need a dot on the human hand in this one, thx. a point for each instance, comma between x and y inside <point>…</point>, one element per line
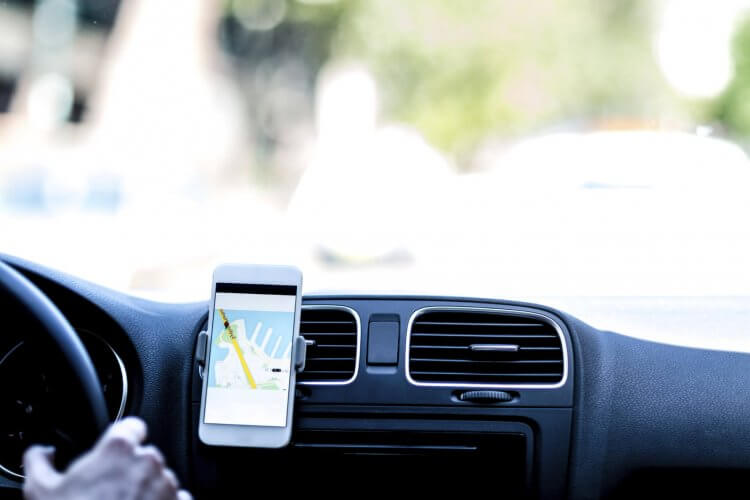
<point>118,467</point>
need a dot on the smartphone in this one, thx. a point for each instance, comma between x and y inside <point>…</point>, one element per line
<point>248,382</point>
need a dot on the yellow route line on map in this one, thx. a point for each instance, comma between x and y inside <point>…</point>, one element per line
<point>236,345</point>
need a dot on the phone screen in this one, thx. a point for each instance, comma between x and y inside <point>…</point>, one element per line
<point>249,360</point>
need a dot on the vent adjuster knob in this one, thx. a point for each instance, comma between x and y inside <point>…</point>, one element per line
<point>485,396</point>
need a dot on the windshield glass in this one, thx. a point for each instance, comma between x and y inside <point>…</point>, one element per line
<point>510,149</point>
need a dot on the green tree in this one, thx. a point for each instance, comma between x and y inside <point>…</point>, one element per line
<point>460,71</point>
<point>732,108</point>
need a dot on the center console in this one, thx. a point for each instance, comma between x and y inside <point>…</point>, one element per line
<point>414,395</point>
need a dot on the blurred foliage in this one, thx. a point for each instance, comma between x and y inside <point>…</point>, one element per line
<point>303,30</point>
<point>277,48</point>
<point>462,71</point>
<point>732,108</point>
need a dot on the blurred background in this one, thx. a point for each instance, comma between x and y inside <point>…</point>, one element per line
<point>496,148</point>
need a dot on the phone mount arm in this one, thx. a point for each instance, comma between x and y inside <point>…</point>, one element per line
<point>202,346</point>
<point>300,354</point>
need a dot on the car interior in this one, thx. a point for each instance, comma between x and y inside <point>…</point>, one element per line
<point>522,229</point>
<point>392,396</point>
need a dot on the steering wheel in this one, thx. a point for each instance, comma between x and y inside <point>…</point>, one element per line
<point>64,337</point>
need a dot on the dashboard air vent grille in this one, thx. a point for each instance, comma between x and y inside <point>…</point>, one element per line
<point>332,334</point>
<point>466,347</point>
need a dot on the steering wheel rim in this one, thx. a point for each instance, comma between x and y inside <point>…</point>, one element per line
<point>64,338</point>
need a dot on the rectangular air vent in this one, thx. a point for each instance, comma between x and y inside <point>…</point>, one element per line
<point>332,334</point>
<point>485,348</point>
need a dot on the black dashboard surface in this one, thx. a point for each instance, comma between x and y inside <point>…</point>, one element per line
<point>630,410</point>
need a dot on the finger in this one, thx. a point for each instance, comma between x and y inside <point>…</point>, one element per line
<point>171,478</point>
<point>38,467</point>
<point>184,495</point>
<point>130,430</point>
<point>152,454</point>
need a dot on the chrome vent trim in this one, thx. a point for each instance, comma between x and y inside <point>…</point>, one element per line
<point>510,312</point>
<point>357,349</point>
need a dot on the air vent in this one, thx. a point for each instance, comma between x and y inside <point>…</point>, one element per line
<point>483,347</point>
<point>332,334</point>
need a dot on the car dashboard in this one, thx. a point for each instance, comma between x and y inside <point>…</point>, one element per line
<point>409,394</point>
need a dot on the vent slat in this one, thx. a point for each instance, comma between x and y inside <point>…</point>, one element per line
<point>440,340</point>
<point>332,357</point>
<point>326,334</point>
<point>473,374</point>
<point>484,335</point>
<point>324,322</point>
<point>466,323</point>
<point>330,372</point>
<point>464,348</point>
<point>343,358</point>
<point>489,362</point>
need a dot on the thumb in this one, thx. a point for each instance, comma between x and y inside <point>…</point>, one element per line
<point>131,430</point>
<point>38,467</point>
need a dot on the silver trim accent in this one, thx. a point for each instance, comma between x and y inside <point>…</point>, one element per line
<point>2,467</point>
<point>11,473</point>
<point>123,399</point>
<point>359,343</point>
<point>123,371</point>
<point>494,347</point>
<point>513,312</point>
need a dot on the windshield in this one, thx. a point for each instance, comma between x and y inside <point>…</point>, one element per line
<point>510,149</point>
